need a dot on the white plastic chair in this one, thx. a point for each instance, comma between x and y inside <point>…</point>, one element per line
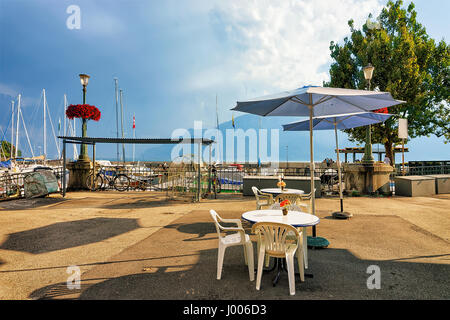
<point>262,199</point>
<point>302,207</point>
<point>305,200</point>
<point>274,243</point>
<point>235,239</point>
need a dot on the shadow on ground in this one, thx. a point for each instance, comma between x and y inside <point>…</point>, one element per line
<point>179,262</point>
<point>21,204</point>
<point>65,235</point>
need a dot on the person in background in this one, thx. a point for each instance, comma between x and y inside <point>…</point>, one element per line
<point>387,160</point>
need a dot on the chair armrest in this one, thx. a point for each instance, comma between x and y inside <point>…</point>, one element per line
<point>231,229</point>
<point>269,195</point>
<point>237,221</point>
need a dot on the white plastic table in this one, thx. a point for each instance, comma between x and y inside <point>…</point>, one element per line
<point>277,191</point>
<point>296,219</point>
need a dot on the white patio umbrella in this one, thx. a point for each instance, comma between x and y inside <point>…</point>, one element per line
<point>313,101</point>
<point>344,121</point>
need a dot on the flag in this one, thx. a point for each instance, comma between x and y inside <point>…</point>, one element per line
<point>232,121</point>
<point>134,123</point>
<point>59,125</point>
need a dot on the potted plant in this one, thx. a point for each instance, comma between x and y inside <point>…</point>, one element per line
<point>285,206</point>
<point>281,184</point>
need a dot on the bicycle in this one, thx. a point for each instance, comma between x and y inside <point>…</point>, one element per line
<point>215,181</point>
<point>107,178</point>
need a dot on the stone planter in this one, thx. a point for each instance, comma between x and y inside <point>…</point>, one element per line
<point>78,173</point>
<point>367,178</point>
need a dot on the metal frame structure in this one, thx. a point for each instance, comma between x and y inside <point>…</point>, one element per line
<point>92,141</point>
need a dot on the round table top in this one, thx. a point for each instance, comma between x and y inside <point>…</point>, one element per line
<point>294,218</point>
<point>279,191</point>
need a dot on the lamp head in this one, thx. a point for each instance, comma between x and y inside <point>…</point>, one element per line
<point>368,71</point>
<point>84,79</point>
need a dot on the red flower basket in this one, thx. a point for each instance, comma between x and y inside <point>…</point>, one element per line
<point>83,111</point>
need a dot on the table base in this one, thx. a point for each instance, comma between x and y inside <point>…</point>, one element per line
<point>280,265</point>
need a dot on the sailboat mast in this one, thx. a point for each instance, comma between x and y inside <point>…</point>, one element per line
<point>117,115</point>
<point>64,114</point>
<point>12,129</point>
<point>17,127</point>
<point>45,127</point>
<point>134,133</point>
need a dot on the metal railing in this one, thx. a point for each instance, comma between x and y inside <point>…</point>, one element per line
<point>12,184</point>
<point>423,170</point>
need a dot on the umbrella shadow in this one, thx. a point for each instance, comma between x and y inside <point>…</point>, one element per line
<point>65,235</point>
<point>201,229</point>
<point>142,203</point>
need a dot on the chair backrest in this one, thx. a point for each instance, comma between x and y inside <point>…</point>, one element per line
<point>215,215</point>
<point>292,197</point>
<point>257,193</point>
<point>273,236</point>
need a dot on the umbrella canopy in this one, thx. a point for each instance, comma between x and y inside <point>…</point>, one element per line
<point>324,101</point>
<point>316,101</point>
<point>344,121</point>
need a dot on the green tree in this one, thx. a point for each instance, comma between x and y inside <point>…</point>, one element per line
<point>5,152</point>
<point>408,64</point>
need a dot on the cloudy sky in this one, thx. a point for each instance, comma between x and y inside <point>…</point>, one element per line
<point>171,58</point>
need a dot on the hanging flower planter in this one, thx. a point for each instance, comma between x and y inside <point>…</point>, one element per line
<point>83,111</point>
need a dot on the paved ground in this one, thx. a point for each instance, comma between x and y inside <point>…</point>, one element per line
<point>138,246</point>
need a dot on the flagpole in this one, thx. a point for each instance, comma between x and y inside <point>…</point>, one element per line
<point>121,121</point>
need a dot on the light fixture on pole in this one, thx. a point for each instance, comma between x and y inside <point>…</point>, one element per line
<point>84,79</point>
<point>368,157</point>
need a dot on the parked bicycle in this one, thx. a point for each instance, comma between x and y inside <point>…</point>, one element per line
<point>216,186</point>
<point>108,179</point>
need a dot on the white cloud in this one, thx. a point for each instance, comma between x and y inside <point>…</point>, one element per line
<point>283,44</point>
<point>8,91</point>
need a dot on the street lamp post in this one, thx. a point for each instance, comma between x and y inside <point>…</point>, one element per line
<point>368,157</point>
<point>84,79</point>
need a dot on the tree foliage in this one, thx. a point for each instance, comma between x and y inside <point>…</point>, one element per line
<point>5,151</point>
<point>408,64</point>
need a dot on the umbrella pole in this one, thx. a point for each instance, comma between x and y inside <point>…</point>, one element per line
<point>340,214</point>
<point>311,152</point>
<point>314,241</point>
<point>338,167</point>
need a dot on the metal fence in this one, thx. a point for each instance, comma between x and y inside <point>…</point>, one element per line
<point>423,168</point>
<point>12,184</point>
<point>221,179</point>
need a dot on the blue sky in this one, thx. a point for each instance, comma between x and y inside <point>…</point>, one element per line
<point>173,57</point>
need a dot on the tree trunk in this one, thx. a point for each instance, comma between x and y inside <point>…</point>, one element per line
<point>389,152</point>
